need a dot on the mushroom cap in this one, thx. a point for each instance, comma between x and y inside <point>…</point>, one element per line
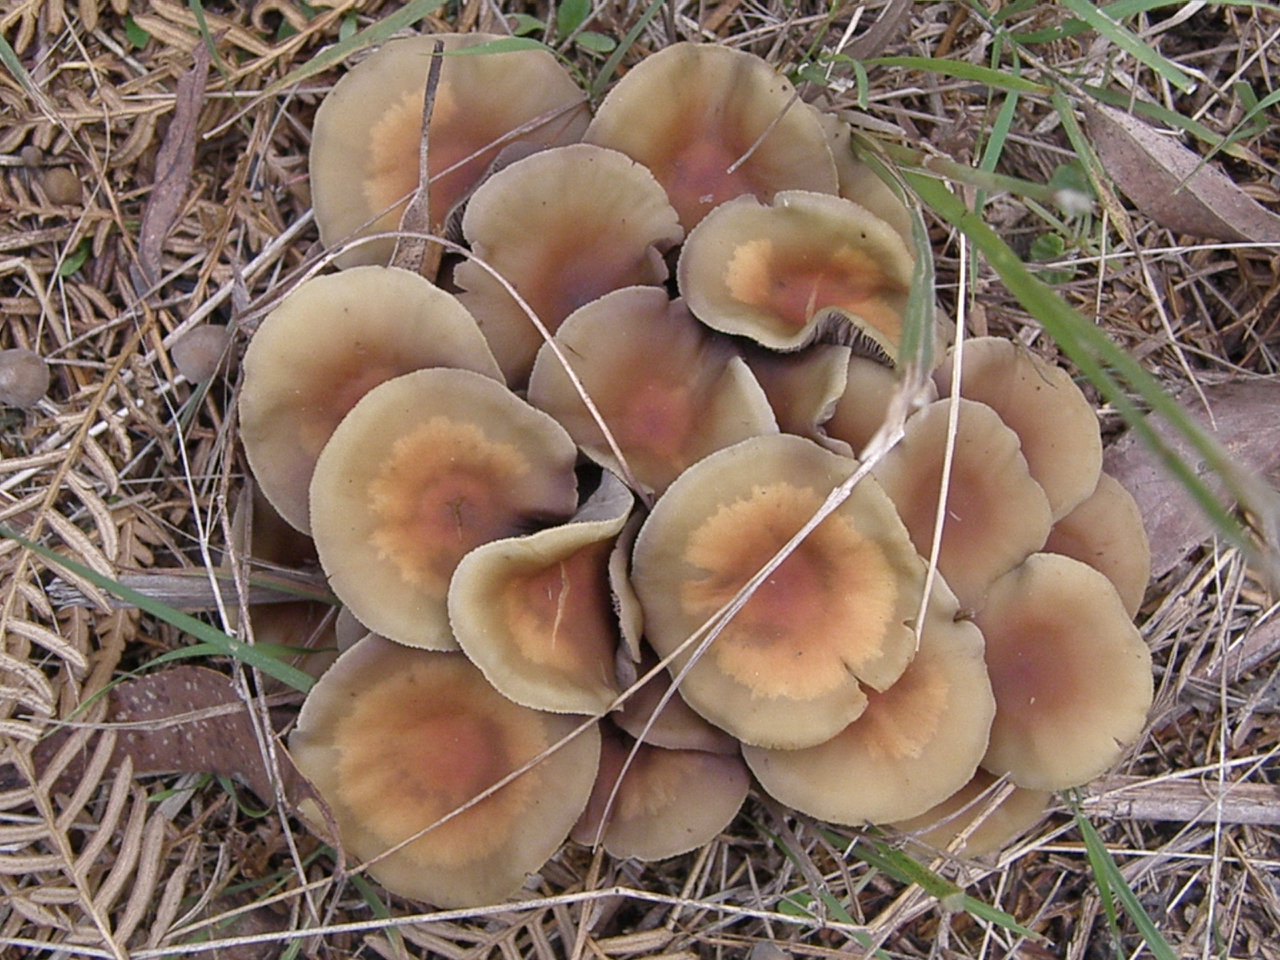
<point>858,182</point>
<point>915,744</point>
<point>1106,532</point>
<point>861,410</point>
<point>692,111</point>
<point>779,273</point>
<point>367,132</point>
<point>996,515</point>
<point>1071,674</point>
<point>425,468</point>
<point>670,801</point>
<point>939,826</point>
<point>24,377</point>
<point>395,738</point>
<point>324,347</point>
<point>1040,402</point>
<point>787,671</point>
<point>676,726</point>
<point>669,391</point>
<point>201,351</point>
<point>534,613</point>
<point>625,602</point>
<point>564,227</point>
<point>802,387</point>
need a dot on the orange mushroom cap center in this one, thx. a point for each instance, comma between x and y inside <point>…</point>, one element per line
<point>820,614</point>
<point>438,496</point>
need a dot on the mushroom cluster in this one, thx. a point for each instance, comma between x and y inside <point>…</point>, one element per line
<point>524,524</point>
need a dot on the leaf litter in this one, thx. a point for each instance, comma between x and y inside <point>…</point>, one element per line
<point>94,109</point>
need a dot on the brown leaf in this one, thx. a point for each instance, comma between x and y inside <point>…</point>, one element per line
<point>189,720</point>
<point>1161,177</point>
<point>174,164</point>
<point>1246,423</point>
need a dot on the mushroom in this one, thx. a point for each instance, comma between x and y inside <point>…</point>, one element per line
<point>201,351</point>
<point>1056,425</point>
<point>425,468</point>
<point>1071,674</point>
<point>803,387</point>
<point>714,123</point>
<point>564,227</point>
<point>396,739</point>
<point>996,515</point>
<point>861,410</point>
<point>676,726</point>
<point>1106,532</point>
<point>917,743</point>
<point>783,274</point>
<point>24,377</point>
<point>669,390</point>
<point>367,133</point>
<point>968,812</point>
<point>327,343</point>
<point>788,669</point>
<point>669,801</point>
<point>858,182</point>
<point>534,613</point>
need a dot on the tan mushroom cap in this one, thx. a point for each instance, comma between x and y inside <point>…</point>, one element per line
<point>395,739</point>
<point>669,390</point>
<point>564,227</point>
<point>625,602</point>
<point>367,132</point>
<point>676,727</point>
<point>670,801</point>
<point>1043,406</point>
<point>424,469</point>
<point>917,743</point>
<point>861,410</point>
<point>323,348</point>
<point>939,826</point>
<point>1071,674</point>
<point>858,182</point>
<point>535,613</point>
<point>802,387</point>
<point>24,377</point>
<point>778,274</point>
<point>996,515</point>
<point>787,671</point>
<point>692,112</point>
<point>1106,532</point>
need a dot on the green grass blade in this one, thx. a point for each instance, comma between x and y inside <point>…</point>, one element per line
<point>1111,882</point>
<point>960,70</point>
<point>1112,371</point>
<point>1128,41</point>
<point>215,638</point>
<point>406,16</point>
<point>903,868</point>
<point>202,24</point>
<point>605,75</point>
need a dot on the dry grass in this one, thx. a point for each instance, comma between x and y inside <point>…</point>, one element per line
<point>124,467</point>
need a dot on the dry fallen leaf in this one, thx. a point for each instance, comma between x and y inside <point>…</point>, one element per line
<point>174,164</point>
<point>1245,422</point>
<point>190,720</point>
<point>1160,176</point>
